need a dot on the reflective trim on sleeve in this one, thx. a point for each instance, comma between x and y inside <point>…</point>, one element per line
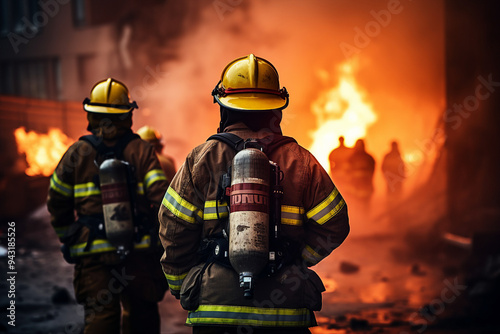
<point>152,176</point>
<point>64,189</point>
<point>328,208</point>
<point>310,255</point>
<point>175,281</point>
<point>251,316</point>
<point>103,245</point>
<point>140,188</point>
<point>181,208</point>
<point>292,215</point>
<point>211,208</point>
<point>86,189</point>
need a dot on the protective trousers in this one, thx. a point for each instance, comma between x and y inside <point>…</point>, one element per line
<point>120,294</point>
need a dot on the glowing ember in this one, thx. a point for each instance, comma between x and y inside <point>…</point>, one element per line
<point>414,157</point>
<point>340,111</point>
<point>43,151</point>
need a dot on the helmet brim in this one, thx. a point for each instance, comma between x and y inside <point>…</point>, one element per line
<point>105,110</point>
<point>252,102</point>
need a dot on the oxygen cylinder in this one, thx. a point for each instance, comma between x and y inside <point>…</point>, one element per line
<point>116,205</point>
<point>249,216</point>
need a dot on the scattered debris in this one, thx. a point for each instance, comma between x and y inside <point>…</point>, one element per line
<point>348,267</point>
<point>359,324</point>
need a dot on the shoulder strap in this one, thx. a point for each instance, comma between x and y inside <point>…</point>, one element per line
<point>116,150</point>
<point>268,144</point>
<point>230,139</point>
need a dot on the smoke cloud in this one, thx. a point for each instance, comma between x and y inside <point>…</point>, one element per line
<point>399,45</point>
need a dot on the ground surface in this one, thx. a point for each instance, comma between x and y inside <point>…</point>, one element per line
<point>375,284</point>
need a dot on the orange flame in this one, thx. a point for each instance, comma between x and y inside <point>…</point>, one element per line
<point>340,111</point>
<point>43,151</point>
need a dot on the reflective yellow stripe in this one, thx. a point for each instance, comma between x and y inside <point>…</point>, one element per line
<point>253,316</point>
<point>140,188</point>
<point>310,255</point>
<point>175,281</point>
<point>152,176</point>
<point>328,208</point>
<point>63,188</point>
<point>86,189</point>
<point>292,215</point>
<point>181,208</point>
<point>98,246</point>
<point>211,209</point>
<point>102,245</point>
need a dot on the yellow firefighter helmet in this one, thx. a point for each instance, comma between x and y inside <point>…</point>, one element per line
<point>250,83</point>
<point>149,134</point>
<point>109,96</point>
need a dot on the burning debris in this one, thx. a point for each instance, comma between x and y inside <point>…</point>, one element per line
<point>42,151</point>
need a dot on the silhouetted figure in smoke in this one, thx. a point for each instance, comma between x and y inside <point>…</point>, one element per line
<point>394,170</point>
<point>361,169</point>
<point>154,137</point>
<point>339,165</point>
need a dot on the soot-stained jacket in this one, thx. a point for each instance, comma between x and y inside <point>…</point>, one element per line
<point>313,216</point>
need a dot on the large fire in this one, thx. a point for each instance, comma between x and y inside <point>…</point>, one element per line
<point>43,151</point>
<point>340,111</point>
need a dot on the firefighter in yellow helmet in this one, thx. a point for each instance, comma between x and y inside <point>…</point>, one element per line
<point>114,183</point>
<point>301,216</point>
<point>153,137</point>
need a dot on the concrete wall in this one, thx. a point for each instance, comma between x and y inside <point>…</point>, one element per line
<point>472,118</point>
<point>59,38</point>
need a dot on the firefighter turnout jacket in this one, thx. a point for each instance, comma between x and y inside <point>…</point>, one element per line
<point>314,222</point>
<point>74,187</point>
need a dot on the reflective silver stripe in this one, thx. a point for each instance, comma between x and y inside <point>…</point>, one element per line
<point>140,188</point>
<point>86,189</point>
<point>182,208</point>
<point>152,176</point>
<point>252,316</point>
<point>102,245</point>
<point>175,281</point>
<point>63,188</point>
<point>211,209</point>
<point>292,215</point>
<point>328,208</point>
<point>98,246</point>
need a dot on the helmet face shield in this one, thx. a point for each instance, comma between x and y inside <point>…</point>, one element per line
<point>252,101</point>
<point>250,84</point>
